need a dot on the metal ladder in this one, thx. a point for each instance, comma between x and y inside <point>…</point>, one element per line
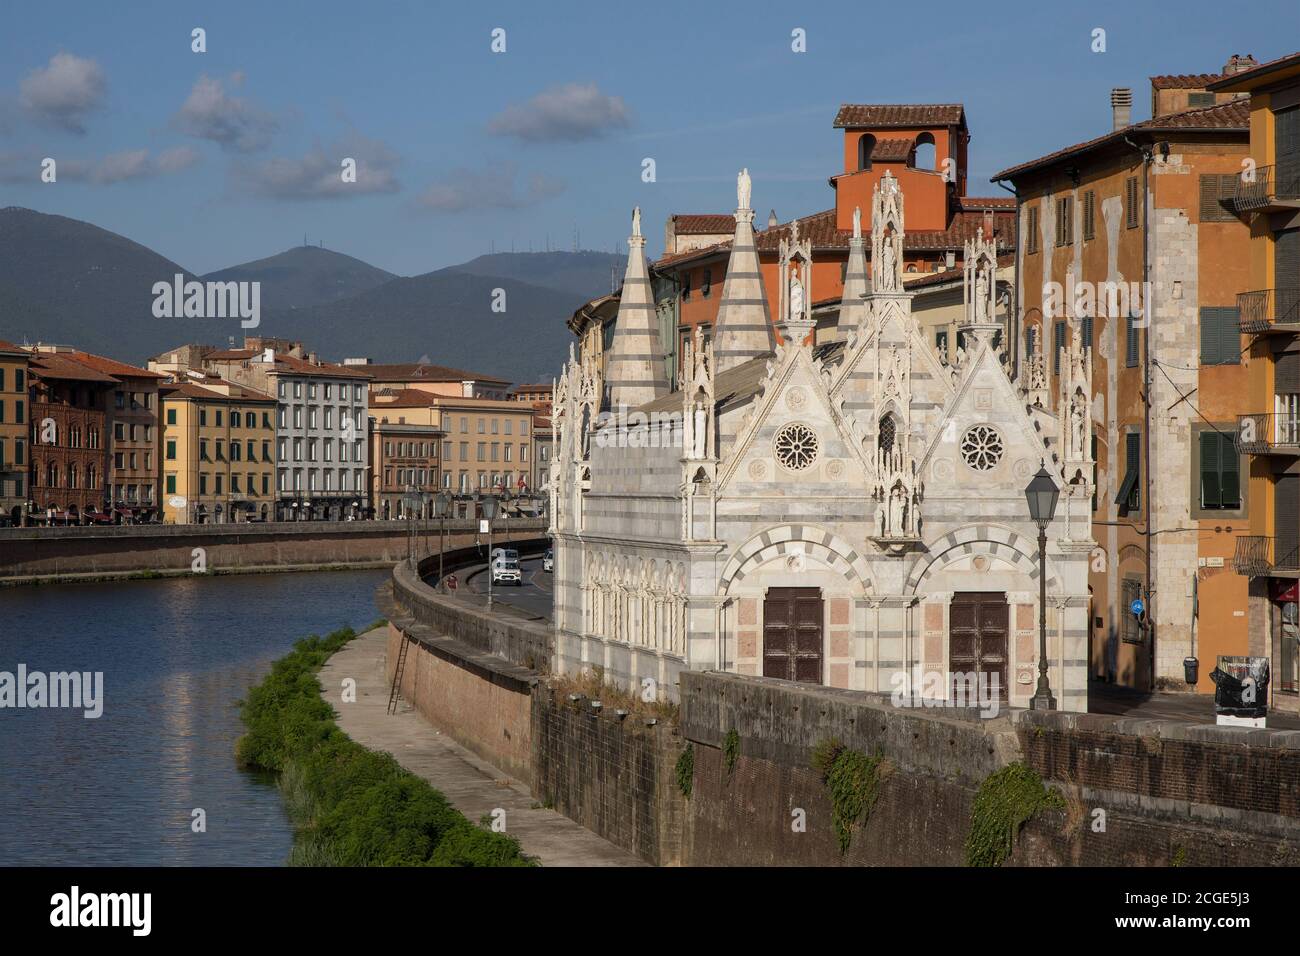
<point>395,694</point>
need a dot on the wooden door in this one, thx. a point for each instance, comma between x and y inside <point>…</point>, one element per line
<point>792,634</point>
<point>977,636</point>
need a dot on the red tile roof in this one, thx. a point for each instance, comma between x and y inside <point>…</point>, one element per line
<point>1184,81</point>
<point>102,363</point>
<point>892,150</point>
<point>820,228</point>
<point>1230,81</point>
<point>238,393</point>
<point>880,115</point>
<point>50,365</point>
<point>10,347</point>
<point>703,224</point>
<point>424,372</point>
<point>1230,117</point>
<point>971,203</point>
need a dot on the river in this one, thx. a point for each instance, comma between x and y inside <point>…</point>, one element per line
<point>176,655</point>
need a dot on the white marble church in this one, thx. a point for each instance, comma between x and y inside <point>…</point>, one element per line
<point>852,515</point>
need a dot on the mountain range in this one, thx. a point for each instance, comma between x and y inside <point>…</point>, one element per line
<point>67,281</point>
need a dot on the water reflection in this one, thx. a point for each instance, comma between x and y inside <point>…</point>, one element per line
<point>177,655</point>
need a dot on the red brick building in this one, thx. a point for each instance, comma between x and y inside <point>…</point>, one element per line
<point>68,439</point>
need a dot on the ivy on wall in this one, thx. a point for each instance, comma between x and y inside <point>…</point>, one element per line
<point>1006,800</point>
<point>853,781</point>
<point>686,771</point>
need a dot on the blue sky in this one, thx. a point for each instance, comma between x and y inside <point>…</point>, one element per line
<point>220,157</point>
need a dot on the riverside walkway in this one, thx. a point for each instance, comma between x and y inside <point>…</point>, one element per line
<point>473,786</point>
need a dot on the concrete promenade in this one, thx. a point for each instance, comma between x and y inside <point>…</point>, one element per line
<point>473,786</point>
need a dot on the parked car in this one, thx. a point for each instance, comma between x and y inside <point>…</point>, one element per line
<point>548,561</point>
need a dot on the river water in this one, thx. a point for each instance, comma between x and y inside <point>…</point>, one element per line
<point>176,656</point>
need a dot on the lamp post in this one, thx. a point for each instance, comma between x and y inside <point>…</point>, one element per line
<point>441,505</point>
<point>490,505</point>
<point>411,502</point>
<point>1042,495</point>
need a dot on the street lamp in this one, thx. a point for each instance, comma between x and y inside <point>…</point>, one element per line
<point>411,502</point>
<point>490,505</point>
<point>441,505</point>
<point>1042,495</point>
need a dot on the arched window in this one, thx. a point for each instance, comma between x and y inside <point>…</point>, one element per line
<point>887,433</point>
<point>924,153</point>
<point>51,475</point>
<point>866,146</point>
<point>90,476</point>
<point>72,476</point>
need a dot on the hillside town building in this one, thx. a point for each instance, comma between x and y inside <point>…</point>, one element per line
<point>851,513</point>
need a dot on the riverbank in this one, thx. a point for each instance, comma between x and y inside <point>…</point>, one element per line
<point>472,785</point>
<point>351,806</point>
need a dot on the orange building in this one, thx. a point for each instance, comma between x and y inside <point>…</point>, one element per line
<point>1269,305</point>
<point>1128,239</point>
<point>923,146</point>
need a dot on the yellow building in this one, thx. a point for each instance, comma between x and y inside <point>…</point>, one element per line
<point>13,432</point>
<point>218,452</point>
<point>487,444</point>
<point>1268,191</point>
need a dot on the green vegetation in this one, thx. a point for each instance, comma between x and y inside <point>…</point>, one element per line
<point>731,748</point>
<point>1006,799</point>
<point>351,806</point>
<point>686,771</point>
<point>853,780</point>
<point>1180,856</point>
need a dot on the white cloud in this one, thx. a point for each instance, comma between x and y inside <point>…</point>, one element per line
<point>319,174</point>
<point>234,123</point>
<point>65,91</point>
<point>492,187</point>
<point>24,168</point>
<point>571,112</point>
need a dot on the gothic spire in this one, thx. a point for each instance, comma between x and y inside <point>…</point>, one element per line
<point>853,306</point>
<point>634,370</point>
<point>744,329</point>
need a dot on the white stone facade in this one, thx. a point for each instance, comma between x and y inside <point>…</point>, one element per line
<point>885,486</point>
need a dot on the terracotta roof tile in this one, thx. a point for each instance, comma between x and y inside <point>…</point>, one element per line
<point>50,365</point>
<point>102,363</point>
<point>703,224</point>
<point>1184,81</point>
<point>1234,116</point>
<point>892,150</point>
<point>1230,80</point>
<point>882,115</point>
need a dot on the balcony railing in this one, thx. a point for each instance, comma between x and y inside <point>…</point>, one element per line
<point>1268,434</point>
<point>1269,310</point>
<point>1272,187</point>
<point>1255,557</point>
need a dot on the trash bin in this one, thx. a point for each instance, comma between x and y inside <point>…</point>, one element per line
<point>1191,669</point>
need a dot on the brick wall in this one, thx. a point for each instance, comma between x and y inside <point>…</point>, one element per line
<point>617,777</point>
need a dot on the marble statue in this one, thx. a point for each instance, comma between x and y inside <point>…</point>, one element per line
<point>743,187</point>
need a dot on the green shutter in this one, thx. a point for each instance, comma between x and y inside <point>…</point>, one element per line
<point>1231,470</point>
<point>1211,487</point>
<point>1131,342</point>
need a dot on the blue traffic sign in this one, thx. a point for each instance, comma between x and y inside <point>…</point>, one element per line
<point>1137,607</point>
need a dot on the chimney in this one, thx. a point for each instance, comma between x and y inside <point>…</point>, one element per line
<point>988,224</point>
<point>1121,107</point>
<point>268,355</point>
<point>1239,64</point>
<point>311,357</point>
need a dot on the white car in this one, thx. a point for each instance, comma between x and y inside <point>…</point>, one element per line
<point>548,562</point>
<point>505,570</point>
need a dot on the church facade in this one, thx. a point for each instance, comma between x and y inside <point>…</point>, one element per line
<point>850,514</point>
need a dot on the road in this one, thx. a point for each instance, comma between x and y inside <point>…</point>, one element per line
<point>533,596</point>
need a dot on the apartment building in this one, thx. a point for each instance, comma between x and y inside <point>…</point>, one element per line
<point>1267,193</point>
<point>67,440</point>
<point>486,444</point>
<point>13,432</point>
<point>1128,240</point>
<point>434,379</point>
<point>322,416</point>
<point>218,451</point>
<point>405,459</point>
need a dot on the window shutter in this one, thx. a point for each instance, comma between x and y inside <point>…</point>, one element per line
<point>1089,214</point>
<point>1286,374</point>
<point>1058,335</point>
<point>1231,470</point>
<point>1087,331</point>
<point>1286,520</point>
<point>1131,334</point>
<point>1217,191</point>
<point>1211,488</point>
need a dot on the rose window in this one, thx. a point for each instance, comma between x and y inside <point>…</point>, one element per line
<point>796,446</point>
<point>981,447</point>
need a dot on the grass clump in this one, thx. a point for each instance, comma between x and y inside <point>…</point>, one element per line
<point>351,806</point>
<point>686,771</point>
<point>853,782</point>
<point>1006,799</point>
<point>731,748</point>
